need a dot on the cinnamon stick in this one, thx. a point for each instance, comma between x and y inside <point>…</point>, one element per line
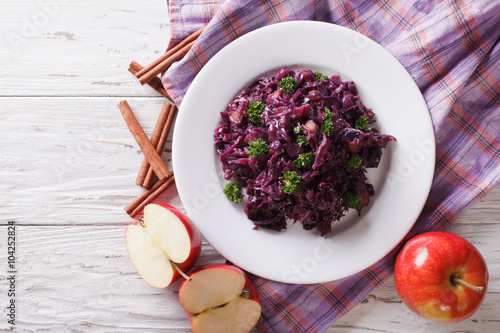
<point>155,83</point>
<point>142,140</point>
<point>155,138</point>
<point>148,180</point>
<point>148,196</point>
<point>170,53</point>
<point>165,64</point>
<point>143,196</point>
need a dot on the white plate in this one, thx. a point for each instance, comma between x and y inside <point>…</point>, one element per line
<point>402,180</point>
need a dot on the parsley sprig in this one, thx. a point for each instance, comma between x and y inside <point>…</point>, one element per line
<point>327,126</point>
<point>288,84</point>
<point>258,148</point>
<point>303,160</point>
<point>255,110</point>
<point>352,200</point>
<point>320,76</point>
<point>352,163</point>
<point>302,140</point>
<point>232,191</point>
<point>292,182</point>
<point>362,124</point>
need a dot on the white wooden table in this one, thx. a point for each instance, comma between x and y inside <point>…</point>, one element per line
<point>69,165</point>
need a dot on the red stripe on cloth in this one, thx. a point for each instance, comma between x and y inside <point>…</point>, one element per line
<point>434,69</point>
<point>375,275</point>
<point>422,47</point>
<point>209,9</point>
<point>173,22</point>
<point>459,177</point>
<point>313,4</point>
<point>229,23</point>
<point>466,24</point>
<point>398,14</point>
<point>350,17</point>
<point>171,91</point>
<point>282,308</point>
<point>274,10</point>
<point>196,58</point>
<point>478,134</point>
<point>439,214</point>
<point>335,298</point>
<point>487,83</point>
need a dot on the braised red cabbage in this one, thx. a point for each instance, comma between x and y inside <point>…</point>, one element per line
<point>312,128</point>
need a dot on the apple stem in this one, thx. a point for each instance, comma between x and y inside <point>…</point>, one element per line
<point>456,279</point>
<point>141,222</point>
<point>184,275</point>
<point>245,293</point>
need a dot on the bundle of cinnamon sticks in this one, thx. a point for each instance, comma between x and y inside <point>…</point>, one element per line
<point>153,147</point>
<point>149,74</point>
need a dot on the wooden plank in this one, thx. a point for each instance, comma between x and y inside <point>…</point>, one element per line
<point>485,211</point>
<point>79,278</point>
<point>72,160</point>
<point>62,48</point>
<point>383,311</point>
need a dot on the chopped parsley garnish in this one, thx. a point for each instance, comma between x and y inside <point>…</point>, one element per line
<point>320,76</point>
<point>352,163</point>
<point>352,200</point>
<point>327,126</point>
<point>302,140</point>
<point>297,129</point>
<point>362,124</point>
<point>288,84</point>
<point>292,182</point>
<point>255,109</point>
<point>303,160</point>
<point>258,148</point>
<point>232,191</point>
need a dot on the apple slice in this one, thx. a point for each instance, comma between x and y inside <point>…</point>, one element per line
<point>220,298</point>
<point>162,245</point>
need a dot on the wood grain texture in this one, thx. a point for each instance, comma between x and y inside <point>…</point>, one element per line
<point>79,278</point>
<point>77,159</point>
<point>76,48</point>
<point>69,166</point>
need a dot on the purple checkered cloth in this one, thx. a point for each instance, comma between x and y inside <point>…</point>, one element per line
<point>451,50</point>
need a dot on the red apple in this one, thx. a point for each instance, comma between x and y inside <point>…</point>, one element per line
<point>441,276</point>
<point>163,245</point>
<point>220,298</point>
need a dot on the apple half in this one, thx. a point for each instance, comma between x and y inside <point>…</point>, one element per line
<point>220,298</point>
<point>163,245</point>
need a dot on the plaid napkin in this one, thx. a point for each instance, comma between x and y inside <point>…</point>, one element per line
<point>451,50</point>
